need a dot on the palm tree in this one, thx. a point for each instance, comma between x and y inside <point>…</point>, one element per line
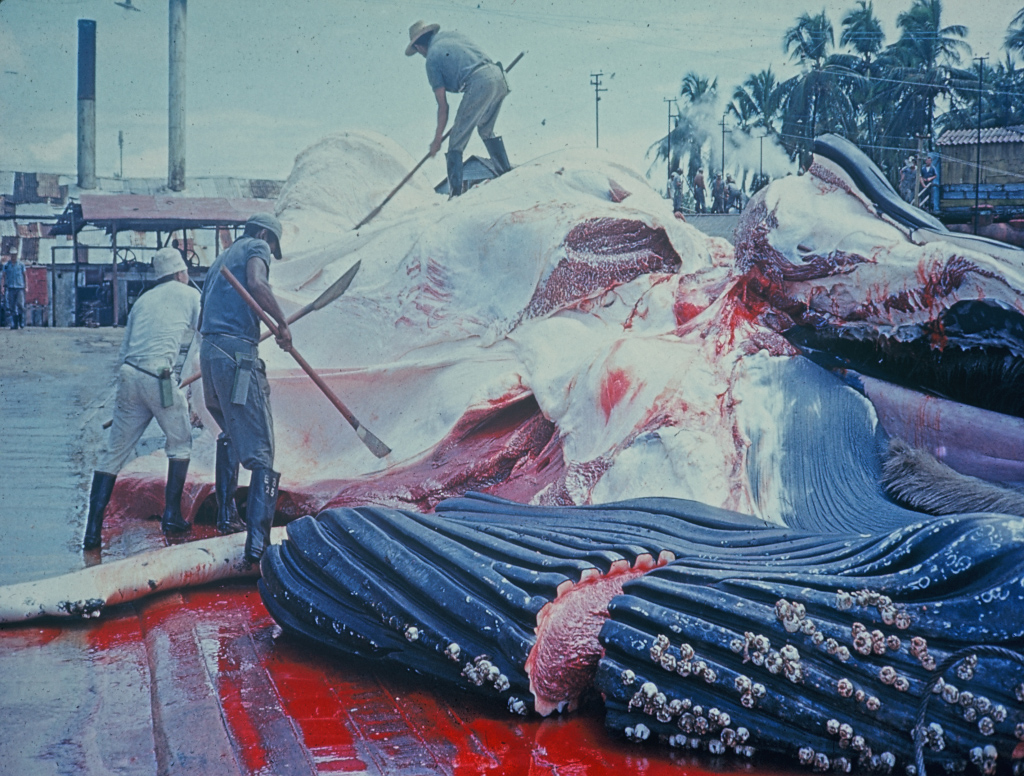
<point>817,100</point>
<point>758,102</point>
<point>1015,34</point>
<point>696,88</point>
<point>863,33</point>
<point>693,125</point>
<point>923,61</point>
<point>1002,98</point>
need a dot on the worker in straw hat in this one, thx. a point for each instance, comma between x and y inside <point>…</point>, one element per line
<point>161,324</point>
<point>235,385</point>
<point>455,64</point>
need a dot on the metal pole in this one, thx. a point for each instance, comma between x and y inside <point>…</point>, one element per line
<point>760,172</point>
<point>120,147</point>
<point>595,81</point>
<point>74,244</point>
<point>977,161</point>
<point>668,147</point>
<point>113,282</point>
<point>723,150</point>
<point>86,104</point>
<point>176,96</point>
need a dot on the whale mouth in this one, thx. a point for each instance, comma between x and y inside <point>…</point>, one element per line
<point>973,354</point>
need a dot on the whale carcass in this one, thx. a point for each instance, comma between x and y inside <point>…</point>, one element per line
<point>558,338</point>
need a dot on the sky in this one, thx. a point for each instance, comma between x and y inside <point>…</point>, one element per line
<point>267,78</point>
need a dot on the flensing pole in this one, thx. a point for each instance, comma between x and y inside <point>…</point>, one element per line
<point>977,161</point>
<point>595,81</point>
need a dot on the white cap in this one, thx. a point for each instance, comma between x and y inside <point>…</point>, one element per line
<point>168,261</point>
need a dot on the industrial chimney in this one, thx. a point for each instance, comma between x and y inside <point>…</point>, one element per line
<point>86,104</point>
<point>176,96</point>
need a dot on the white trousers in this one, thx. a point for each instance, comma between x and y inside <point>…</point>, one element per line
<point>137,403</point>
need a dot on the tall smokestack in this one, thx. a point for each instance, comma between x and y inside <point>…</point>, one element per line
<point>176,97</point>
<point>86,104</point>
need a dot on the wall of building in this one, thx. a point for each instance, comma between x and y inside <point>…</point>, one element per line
<point>1000,163</point>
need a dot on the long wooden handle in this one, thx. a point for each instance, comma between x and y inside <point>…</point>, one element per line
<point>336,289</point>
<point>376,210</point>
<point>375,446</point>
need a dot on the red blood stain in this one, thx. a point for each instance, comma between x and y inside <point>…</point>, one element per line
<point>614,388</point>
<point>112,632</point>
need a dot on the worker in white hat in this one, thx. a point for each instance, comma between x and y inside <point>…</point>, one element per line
<point>160,326</point>
<point>455,64</point>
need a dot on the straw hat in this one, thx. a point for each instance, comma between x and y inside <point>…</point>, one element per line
<point>417,31</point>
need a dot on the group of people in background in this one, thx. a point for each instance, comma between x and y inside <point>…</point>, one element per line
<point>923,185</point>
<point>725,195</point>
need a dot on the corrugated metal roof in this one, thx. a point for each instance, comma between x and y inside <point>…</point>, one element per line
<point>990,135</point>
<point>49,185</point>
<point>135,212</point>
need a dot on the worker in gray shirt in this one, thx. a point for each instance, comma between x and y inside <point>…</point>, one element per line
<point>455,64</point>
<point>161,323</point>
<point>235,383</point>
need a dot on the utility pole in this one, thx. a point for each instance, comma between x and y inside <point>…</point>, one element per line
<point>760,171</point>
<point>977,160</point>
<point>917,172</point>
<point>723,149</point>
<point>595,81</point>
<point>668,145</point>
<point>120,147</point>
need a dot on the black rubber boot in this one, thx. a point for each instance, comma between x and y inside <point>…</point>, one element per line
<point>172,521</point>
<point>454,160</point>
<point>226,483</point>
<point>259,512</point>
<point>99,497</point>
<point>496,148</point>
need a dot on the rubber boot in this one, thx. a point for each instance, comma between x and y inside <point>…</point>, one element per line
<point>259,512</point>
<point>228,519</point>
<point>172,521</point>
<point>99,497</point>
<point>496,148</point>
<point>454,160</point>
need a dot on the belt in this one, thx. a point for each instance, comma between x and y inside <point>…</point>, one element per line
<point>144,371</point>
<point>465,81</point>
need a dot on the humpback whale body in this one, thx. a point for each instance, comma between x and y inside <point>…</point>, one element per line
<point>700,628</point>
<point>836,629</point>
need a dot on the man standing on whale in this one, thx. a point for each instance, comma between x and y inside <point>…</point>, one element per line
<point>455,64</point>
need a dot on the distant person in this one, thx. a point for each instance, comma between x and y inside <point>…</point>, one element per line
<point>14,286</point>
<point>180,248</point>
<point>930,185</point>
<point>676,185</point>
<point>163,318</point>
<point>718,195</point>
<point>235,379</point>
<point>908,176</point>
<point>699,190</point>
<point>733,197</point>
<point>454,64</point>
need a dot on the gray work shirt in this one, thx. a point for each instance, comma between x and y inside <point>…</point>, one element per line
<point>14,274</point>
<point>224,310</point>
<point>451,57</point>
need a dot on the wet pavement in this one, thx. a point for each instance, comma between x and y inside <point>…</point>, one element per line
<point>197,681</point>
